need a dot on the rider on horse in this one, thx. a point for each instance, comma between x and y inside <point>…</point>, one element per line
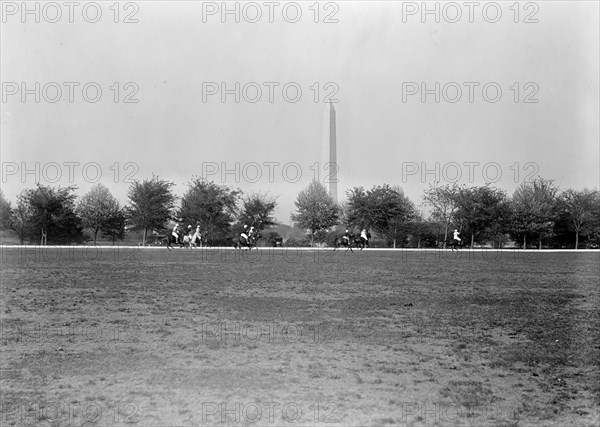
<point>346,237</point>
<point>175,232</point>
<point>197,237</point>
<point>363,234</point>
<point>244,235</point>
<point>456,238</point>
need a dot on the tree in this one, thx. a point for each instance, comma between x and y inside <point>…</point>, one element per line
<point>533,208</point>
<point>6,213</point>
<point>209,205</point>
<point>96,208</point>
<point>482,212</point>
<point>578,207</point>
<point>444,202</point>
<point>315,209</point>
<point>384,209</point>
<point>114,226</point>
<point>421,230</point>
<point>593,231</point>
<point>257,210</point>
<point>390,212</point>
<point>20,221</point>
<point>358,212</point>
<point>47,211</point>
<point>151,204</point>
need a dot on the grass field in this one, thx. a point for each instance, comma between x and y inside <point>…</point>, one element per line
<point>191,337</point>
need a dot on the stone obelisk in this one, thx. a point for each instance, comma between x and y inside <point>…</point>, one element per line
<point>329,165</point>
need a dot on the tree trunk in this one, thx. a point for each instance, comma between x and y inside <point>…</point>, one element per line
<point>446,234</point>
<point>472,239</point>
<point>394,243</point>
<point>419,243</point>
<point>540,243</point>
<point>525,241</point>
<point>576,240</point>
<point>145,234</point>
<point>95,235</point>
<point>312,238</point>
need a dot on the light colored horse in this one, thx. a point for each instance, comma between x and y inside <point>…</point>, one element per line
<point>192,241</point>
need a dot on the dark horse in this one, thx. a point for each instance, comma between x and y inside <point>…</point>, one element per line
<point>340,241</point>
<point>361,242</point>
<point>453,244</point>
<point>242,243</point>
<point>171,241</point>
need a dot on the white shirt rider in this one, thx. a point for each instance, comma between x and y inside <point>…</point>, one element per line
<point>243,234</point>
<point>363,234</point>
<point>456,233</point>
<point>175,232</point>
<point>197,235</point>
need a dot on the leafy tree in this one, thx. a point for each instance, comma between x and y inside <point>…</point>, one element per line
<point>482,212</point>
<point>20,221</point>
<point>257,210</point>
<point>315,209</point>
<point>211,206</point>
<point>151,203</point>
<point>114,226</point>
<point>421,230</point>
<point>593,231</point>
<point>390,212</point>
<point>578,207</point>
<point>343,212</point>
<point>50,212</point>
<point>358,212</point>
<point>96,208</point>
<point>6,213</point>
<point>533,209</point>
<point>384,209</point>
<point>444,202</point>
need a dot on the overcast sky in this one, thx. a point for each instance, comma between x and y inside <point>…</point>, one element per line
<point>373,62</point>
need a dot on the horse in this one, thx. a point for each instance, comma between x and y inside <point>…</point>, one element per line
<point>455,245</point>
<point>341,241</point>
<point>170,240</point>
<point>361,242</point>
<point>192,242</point>
<point>251,243</point>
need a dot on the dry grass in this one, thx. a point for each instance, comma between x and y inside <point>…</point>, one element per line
<point>370,338</point>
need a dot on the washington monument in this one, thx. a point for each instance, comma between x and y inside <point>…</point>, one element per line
<point>329,166</point>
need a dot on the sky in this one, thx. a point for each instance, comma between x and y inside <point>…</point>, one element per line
<point>498,93</point>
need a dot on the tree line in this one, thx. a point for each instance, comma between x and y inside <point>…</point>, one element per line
<point>538,214</point>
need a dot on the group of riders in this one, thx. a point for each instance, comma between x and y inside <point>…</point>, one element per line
<point>249,236</point>
<point>348,240</point>
<point>194,238</point>
<point>191,237</point>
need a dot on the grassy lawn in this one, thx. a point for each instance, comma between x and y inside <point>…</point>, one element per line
<point>191,337</point>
